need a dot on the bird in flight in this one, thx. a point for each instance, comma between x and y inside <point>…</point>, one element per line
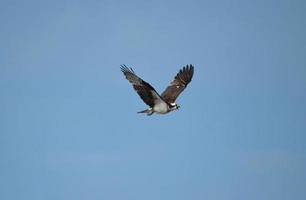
<point>165,102</point>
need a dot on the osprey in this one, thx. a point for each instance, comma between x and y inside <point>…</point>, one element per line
<point>165,102</point>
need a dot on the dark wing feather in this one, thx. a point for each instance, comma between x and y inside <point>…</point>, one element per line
<point>180,82</point>
<point>146,92</point>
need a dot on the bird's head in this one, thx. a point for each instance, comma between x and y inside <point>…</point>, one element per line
<point>174,106</point>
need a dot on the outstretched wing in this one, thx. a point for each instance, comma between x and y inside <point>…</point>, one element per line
<point>180,82</point>
<point>146,92</point>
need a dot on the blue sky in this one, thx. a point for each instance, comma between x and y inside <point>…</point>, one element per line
<point>68,122</point>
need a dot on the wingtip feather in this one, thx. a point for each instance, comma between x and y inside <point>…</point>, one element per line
<point>126,69</point>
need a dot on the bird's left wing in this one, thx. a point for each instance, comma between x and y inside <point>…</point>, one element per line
<point>146,92</point>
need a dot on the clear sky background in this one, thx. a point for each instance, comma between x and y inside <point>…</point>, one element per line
<point>68,122</point>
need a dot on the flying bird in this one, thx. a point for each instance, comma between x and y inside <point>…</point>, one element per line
<point>165,102</point>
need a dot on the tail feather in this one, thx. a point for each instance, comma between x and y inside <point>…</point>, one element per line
<point>148,111</point>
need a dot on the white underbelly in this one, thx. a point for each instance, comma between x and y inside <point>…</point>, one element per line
<point>161,107</point>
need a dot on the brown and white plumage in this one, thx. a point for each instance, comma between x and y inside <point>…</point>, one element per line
<point>146,92</point>
<point>180,82</point>
<point>166,102</point>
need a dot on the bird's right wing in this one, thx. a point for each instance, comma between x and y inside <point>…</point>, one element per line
<point>146,92</point>
<point>180,82</point>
